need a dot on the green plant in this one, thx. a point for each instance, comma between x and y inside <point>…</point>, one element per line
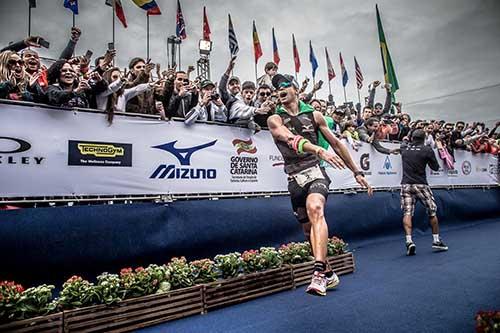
<point>252,261</point>
<point>138,282</point>
<point>160,276</point>
<point>488,321</point>
<point>296,253</point>
<point>203,271</point>
<point>35,301</point>
<point>109,289</point>
<point>336,246</point>
<point>270,257</point>
<point>76,293</point>
<point>180,273</point>
<point>229,265</point>
<point>10,293</point>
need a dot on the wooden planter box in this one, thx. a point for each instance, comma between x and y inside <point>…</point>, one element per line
<point>342,264</point>
<point>50,323</point>
<point>136,313</point>
<point>246,287</point>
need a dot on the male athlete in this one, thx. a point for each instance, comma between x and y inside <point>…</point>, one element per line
<point>295,128</point>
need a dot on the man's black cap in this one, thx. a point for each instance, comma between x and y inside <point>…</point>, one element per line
<point>278,79</point>
<point>206,83</point>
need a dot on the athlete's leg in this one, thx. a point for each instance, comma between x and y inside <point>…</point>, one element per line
<point>319,229</point>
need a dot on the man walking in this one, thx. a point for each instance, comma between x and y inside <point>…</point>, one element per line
<point>295,128</point>
<point>416,156</point>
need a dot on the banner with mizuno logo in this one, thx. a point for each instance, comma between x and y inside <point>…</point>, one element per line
<point>52,152</point>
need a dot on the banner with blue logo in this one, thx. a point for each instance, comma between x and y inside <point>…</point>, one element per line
<point>53,152</point>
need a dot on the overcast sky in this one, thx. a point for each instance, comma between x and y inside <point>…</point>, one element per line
<point>446,53</point>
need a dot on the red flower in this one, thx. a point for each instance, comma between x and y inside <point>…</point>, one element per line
<point>139,269</point>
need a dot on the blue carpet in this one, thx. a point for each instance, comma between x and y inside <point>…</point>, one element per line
<point>389,292</point>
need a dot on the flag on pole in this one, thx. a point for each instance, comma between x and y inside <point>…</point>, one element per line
<point>359,75</point>
<point>117,4</point>
<point>148,5</point>
<point>32,3</point>
<point>206,27</point>
<point>313,60</point>
<point>180,28</point>
<point>296,58</point>
<point>257,49</point>
<point>72,5</point>
<point>276,55</point>
<point>329,66</point>
<point>233,42</point>
<point>345,78</point>
<point>389,72</point>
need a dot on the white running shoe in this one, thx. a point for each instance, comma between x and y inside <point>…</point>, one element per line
<point>318,284</point>
<point>332,281</point>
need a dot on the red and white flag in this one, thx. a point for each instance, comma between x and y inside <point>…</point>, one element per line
<point>359,75</point>
<point>206,27</point>
<point>118,10</point>
<point>329,66</point>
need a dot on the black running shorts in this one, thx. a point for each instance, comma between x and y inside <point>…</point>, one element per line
<point>298,195</point>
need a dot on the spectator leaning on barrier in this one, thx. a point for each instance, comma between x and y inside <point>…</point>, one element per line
<point>15,83</point>
<point>264,94</point>
<point>415,157</point>
<point>364,116</point>
<point>367,134</point>
<point>184,97</point>
<point>209,107</point>
<point>65,91</point>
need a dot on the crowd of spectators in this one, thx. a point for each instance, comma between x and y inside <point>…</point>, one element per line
<point>144,88</point>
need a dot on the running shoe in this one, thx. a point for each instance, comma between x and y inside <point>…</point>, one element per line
<point>318,284</point>
<point>332,281</point>
<point>439,246</point>
<point>410,249</point>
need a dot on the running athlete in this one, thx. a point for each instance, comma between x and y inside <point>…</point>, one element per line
<point>295,128</point>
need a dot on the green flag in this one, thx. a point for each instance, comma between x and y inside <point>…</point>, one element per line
<point>389,72</point>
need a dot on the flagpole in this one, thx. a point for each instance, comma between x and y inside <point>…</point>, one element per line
<point>147,36</point>
<point>29,21</point>
<point>359,98</point>
<point>73,20</point>
<point>179,51</point>
<point>314,85</point>
<point>345,96</point>
<point>113,25</point>
<point>256,73</point>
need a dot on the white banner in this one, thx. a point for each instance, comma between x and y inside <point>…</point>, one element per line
<point>51,152</point>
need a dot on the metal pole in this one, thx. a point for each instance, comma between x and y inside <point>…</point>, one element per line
<point>73,20</point>
<point>345,96</point>
<point>255,66</point>
<point>147,36</point>
<point>179,51</point>
<point>113,26</point>
<point>29,21</point>
<point>314,84</point>
<point>359,98</point>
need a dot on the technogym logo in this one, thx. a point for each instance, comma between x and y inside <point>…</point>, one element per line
<point>183,155</point>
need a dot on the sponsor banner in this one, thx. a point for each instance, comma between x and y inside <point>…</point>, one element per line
<point>78,153</point>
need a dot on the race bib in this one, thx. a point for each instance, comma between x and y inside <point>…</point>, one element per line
<point>306,176</point>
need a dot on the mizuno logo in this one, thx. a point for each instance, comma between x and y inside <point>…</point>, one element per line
<point>183,154</point>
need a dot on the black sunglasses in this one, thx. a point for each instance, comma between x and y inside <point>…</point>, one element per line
<point>265,94</point>
<point>16,62</point>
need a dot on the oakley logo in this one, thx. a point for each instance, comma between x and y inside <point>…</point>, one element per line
<point>183,154</point>
<point>23,145</point>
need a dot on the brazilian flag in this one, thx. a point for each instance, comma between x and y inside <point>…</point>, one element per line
<point>389,72</point>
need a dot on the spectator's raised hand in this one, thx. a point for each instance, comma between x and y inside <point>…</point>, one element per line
<point>83,85</point>
<point>32,41</point>
<point>149,67</point>
<point>317,86</point>
<point>376,84</point>
<point>170,73</point>
<point>75,34</point>
<point>34,78</point>
<point>95,76</point>
<point>108,58</point>
<point>205,99</point>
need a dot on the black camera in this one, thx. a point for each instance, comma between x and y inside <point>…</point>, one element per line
<point>214,96</point>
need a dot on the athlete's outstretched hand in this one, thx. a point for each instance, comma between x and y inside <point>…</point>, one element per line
<point>362,181</point>
<point>332,159</point>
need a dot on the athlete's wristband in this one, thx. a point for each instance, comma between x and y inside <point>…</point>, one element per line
<point>359,173</point>
<point>294,143</point>
<point>300,146</point>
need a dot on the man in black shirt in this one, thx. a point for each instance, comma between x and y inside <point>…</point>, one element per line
<point>416,156</point>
